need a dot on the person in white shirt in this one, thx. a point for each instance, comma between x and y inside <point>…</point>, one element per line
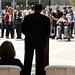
<point>31,11</point>
<point>43,11</point>
<point>26,12</point>
<point>61,26</point>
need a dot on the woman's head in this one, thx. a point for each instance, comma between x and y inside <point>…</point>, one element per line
<point>7,50</point>
<point>10,9</point>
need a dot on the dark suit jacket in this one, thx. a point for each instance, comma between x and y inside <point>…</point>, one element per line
<point>15,62</point>
<point>19,14</point>
<point>36,27</point>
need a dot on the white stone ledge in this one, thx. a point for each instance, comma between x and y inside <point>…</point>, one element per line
<point>60,70</point>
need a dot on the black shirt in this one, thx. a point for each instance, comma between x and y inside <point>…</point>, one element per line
<point>15,62</point>
<point>57,14</point>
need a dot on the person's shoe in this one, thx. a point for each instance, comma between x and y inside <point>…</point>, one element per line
<point>12,37</point>
<point>57,37</point>
<point>72,37</point>
<point>7,37</point>
<point>65,37</point>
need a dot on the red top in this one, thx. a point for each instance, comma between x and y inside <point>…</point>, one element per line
<point>7,16</point>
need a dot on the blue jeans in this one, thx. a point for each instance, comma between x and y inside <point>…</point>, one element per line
<point>59,31</point>
<point>2,28</point>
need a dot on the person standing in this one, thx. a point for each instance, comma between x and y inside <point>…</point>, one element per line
<point>27,11</point>
<point>65,10</point>
<point>18,21</point>
<point>43,11</point>
<point>3,24</point>
<point>36,28</point>
<point>9,22</point>
<point>31,11</point>
<point>71,17</point>
<point>57,14</point>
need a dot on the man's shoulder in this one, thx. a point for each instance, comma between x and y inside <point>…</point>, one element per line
<point>35,15</point>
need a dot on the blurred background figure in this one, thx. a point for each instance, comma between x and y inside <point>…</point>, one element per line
<point>71,17</point>
<point>63,20</point>
<point>57,14</point>
<point>18,21</point>
<point>26,12</point>
<point>3,24</point>
<point>65,10</point>
<point>49,14</point>
<point>43,11</point>
<point>9,22</point>
<point>69,8</point>
<point>31,10</point>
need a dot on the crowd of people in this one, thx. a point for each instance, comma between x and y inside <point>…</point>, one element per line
<point>12,19</point>
<point>35,24</point>
<point>36,28</point>
<point>57,16</point>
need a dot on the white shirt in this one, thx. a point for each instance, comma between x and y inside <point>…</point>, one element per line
<point>17,13</point>
<point>31,11</point>
<point>26,12</point>
<point>10,18</point>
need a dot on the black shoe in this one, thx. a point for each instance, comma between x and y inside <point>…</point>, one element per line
<point>72,37</point>
<point>12,37</point>
<point>18,38</point>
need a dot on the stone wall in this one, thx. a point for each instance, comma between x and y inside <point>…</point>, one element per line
<point>61,2</point>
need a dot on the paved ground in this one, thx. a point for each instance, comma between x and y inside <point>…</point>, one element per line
<point>61,52</point>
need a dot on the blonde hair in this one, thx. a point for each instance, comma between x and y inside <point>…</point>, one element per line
<point>10,8</point>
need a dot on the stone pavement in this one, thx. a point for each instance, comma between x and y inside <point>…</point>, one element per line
<point>61,52</point>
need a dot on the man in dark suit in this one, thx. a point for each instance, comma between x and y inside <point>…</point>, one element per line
<point>36,28</point>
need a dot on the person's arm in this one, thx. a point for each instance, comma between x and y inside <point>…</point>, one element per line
<point>69,22</point>
<point>12,18</point>
<point>72,19</point>
<point>5,19</point>
<point>59,21</point>
<point>55,19</point>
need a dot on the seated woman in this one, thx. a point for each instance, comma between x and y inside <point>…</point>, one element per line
<point>59,27</point>
<point>7,54</point>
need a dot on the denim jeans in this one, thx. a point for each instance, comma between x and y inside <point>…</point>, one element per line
<point>2,28</point>
<point>59,30</point>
